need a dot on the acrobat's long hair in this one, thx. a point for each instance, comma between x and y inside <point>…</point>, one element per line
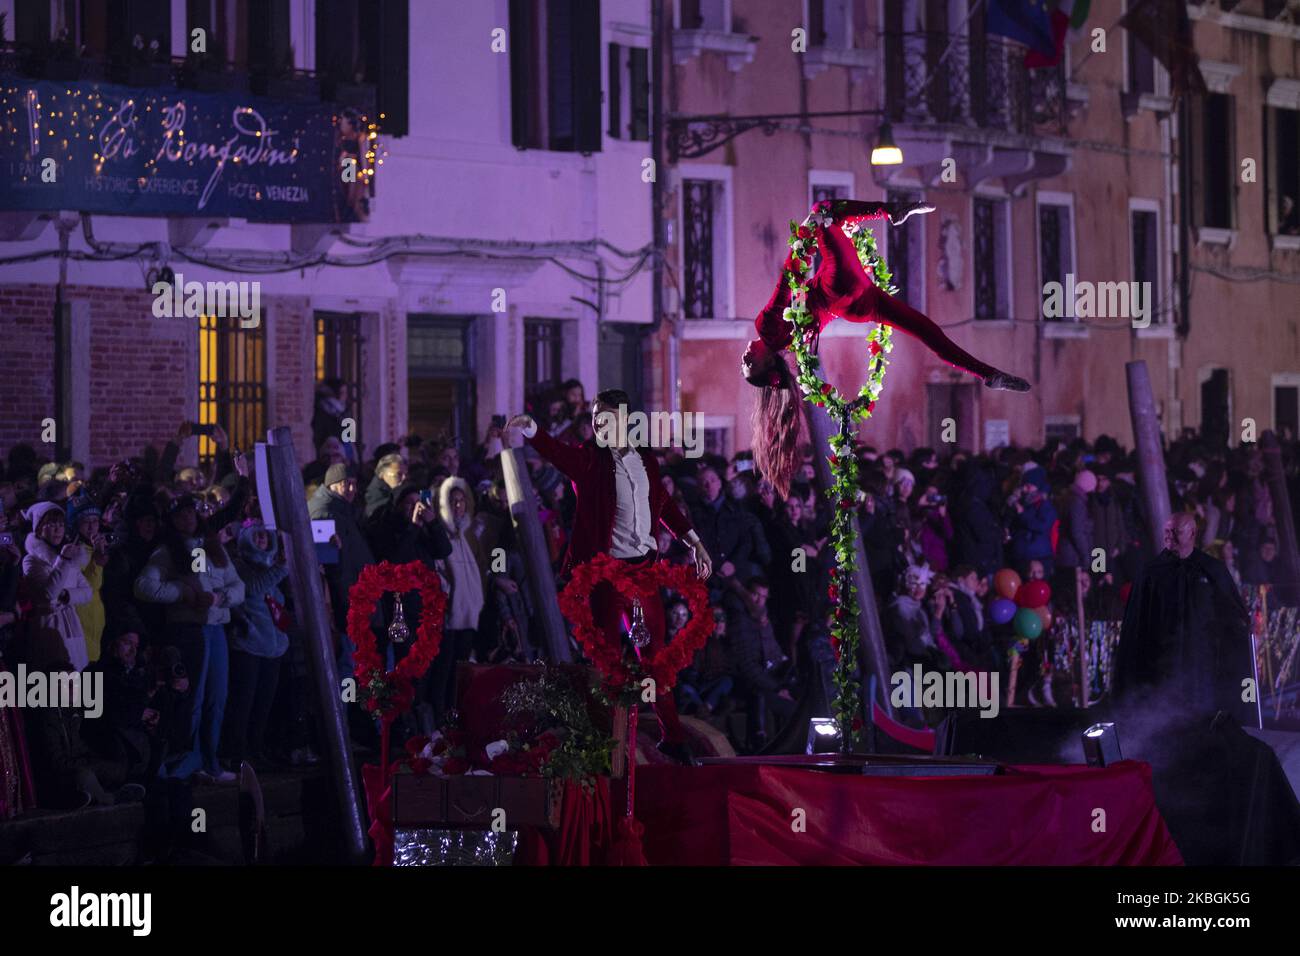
<point>776,424</point>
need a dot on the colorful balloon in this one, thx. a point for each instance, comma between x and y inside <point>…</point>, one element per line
<point>1006,582</point>
<point>1028,623</point>
<point>1034,594</point>
<point>1002,610</point>
<point>1045,613</point>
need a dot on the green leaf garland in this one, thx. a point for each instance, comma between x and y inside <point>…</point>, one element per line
<point>843,462</point>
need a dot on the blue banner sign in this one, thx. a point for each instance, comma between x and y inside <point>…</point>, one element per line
<point>94,147</point>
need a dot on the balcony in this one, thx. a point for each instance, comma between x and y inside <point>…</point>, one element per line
<point>978,104</point>
<point>199,73</point>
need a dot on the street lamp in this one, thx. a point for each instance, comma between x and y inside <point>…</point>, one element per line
<point>886,151</point>
<point>690,137</point>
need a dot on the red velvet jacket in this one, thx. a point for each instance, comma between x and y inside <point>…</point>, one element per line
<point>591,469</point>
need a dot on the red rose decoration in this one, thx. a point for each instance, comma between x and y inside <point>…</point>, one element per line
<point>455,765</point>
<point>874,348</point>
<point>833,593</point>
<point>827,388</point>
<point>663,663</point>
<point>389,693</point>
<point>803,232</point>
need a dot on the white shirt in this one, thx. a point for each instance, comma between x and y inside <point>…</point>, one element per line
<point>633,535</point>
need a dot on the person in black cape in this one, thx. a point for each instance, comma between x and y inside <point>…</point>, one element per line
<point>1186,632</point>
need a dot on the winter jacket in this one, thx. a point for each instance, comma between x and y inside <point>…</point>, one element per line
<point>977,538</point>
<point>934,538</point>
<point>1074,548</point>
<point>1107,523</point>
<point>1031,533</point>
<point>261,577</point>
<point>909,634</point>
<point>379,495</point>
<point>91,613</point>
<point>466,565</point>
<point>160,583</point>
<point>125,562</point>
<point>722,527</point>
<point>55,586</point>
<point>354,553</point>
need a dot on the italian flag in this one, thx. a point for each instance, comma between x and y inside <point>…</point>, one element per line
<point>1067,16</point>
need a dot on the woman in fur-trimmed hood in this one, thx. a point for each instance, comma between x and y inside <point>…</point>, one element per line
<point>467,568</point>
<point>53,582</point>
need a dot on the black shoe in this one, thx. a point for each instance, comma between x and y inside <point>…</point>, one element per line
<point>1001,381</point>
<point>679,753</point>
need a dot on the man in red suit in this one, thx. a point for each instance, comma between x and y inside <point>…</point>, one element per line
<point>620,503</point>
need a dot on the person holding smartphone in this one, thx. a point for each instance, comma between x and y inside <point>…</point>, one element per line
<point>55,585</point>
<point>85,522</point>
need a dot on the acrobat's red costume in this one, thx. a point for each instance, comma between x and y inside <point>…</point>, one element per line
<point>840,287</point>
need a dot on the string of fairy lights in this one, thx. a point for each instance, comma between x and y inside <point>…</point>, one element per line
<point>93,128</point>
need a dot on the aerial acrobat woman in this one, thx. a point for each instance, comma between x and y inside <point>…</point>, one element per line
<point>840,287</point>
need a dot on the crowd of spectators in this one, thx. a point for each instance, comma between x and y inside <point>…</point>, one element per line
<point>164,577</point>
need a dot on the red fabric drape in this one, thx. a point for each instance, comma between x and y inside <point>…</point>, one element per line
<point>1032,816</point>
<point>585,834</point>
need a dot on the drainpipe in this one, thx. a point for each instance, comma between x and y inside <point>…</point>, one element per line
<point>657,192</point>
<point>1184,225</point>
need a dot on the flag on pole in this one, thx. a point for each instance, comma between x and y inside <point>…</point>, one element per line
<point>1025,21</point>
<point>1165,29</point>
<point>1067,16</point>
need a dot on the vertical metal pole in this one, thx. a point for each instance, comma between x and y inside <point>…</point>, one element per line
<point>537,558</point>
<point>289,501</point>
<point>1150,454</point>
<point>1288,551</point>
<point>874,658</point>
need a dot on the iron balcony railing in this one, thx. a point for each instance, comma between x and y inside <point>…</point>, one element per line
<point>205,75</point>
<point>982,83</point>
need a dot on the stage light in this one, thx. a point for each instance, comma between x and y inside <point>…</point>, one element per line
<point>1101,745</point>
<point>823,736</point>
<point>886,151</point>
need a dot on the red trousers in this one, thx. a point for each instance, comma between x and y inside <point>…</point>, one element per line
<point>613,614</point>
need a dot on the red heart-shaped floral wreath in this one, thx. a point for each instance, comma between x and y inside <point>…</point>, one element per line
<point>389,693</point>
<point>609,655</point>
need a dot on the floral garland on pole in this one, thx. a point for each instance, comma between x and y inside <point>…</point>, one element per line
<point>843,462</point>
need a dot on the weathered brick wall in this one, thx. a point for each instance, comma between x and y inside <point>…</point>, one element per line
<point>143,371</point>
<point>26,363</point>
<point>290,336</point>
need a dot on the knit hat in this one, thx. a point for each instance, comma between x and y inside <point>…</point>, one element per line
<point>39,511</point>
<point>81,506</point>
<point>336,473</point>
<point>1036,475</point>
